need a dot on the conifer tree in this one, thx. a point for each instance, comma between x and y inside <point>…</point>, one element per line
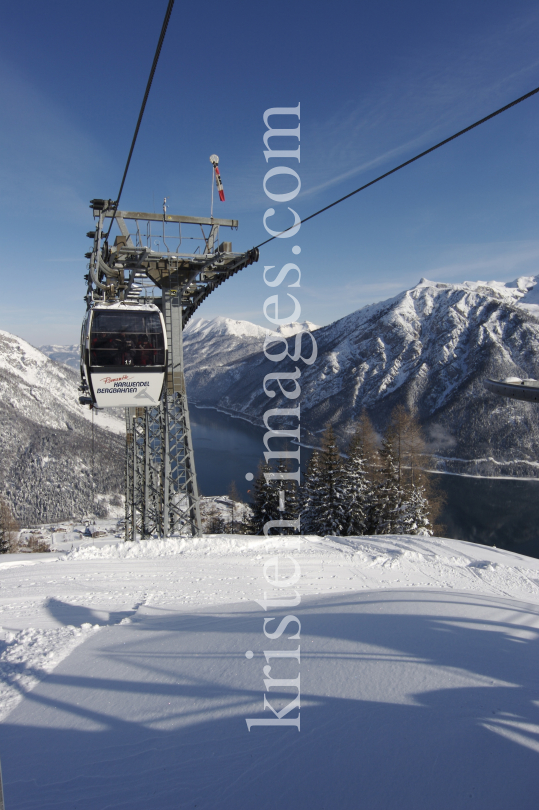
<point>414,517</point>
<point>389,495</point>
<point>360,478</point>
<point>308,496</point>
<point>323,512</point>
<point>357,488</point>
<point>214,523</point>
<point>265,500</point>
<point>291,499</point>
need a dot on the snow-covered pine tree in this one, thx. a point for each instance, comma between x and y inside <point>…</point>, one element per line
<point>363,463</point>
<point>212,521</point>
<point>388,496</point>
<point>414,514</point>
<point>357,488</point>
<point>265,500</point>
<point>265,504</point>
<point>291,496</point>
<point>308,494</point>
<point>325,511</point>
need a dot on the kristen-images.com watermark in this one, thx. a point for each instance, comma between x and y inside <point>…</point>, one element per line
<point>277,350</point>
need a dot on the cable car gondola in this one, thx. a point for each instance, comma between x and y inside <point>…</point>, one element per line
<point>123,355</point>
<point>515,388</point>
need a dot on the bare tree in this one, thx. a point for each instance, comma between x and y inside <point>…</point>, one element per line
<point>370,441</point>
<point>412,460</point>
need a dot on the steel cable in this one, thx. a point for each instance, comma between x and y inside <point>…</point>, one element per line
<point>406,163</point>
<point>143,106</point>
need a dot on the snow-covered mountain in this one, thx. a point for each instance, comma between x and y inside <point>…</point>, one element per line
<point>429,347</point>
<point>68,355</point>
<point>46,470</point>
<point>201,328</point>
<point>233,340</point>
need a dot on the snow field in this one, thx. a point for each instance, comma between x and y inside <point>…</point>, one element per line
<point>418,676</point>
<point>107,584</point>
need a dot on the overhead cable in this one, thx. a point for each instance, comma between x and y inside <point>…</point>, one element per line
<point>143,107</point>
<point>406,163</point>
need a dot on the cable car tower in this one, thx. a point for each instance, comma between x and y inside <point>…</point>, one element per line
<point>142,273</point>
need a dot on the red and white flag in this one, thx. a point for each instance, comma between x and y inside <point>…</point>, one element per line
<point>215,160</point>
<point>219,182</point>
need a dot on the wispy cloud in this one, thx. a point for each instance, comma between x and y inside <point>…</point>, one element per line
<point>502,261</point>
<point>423,104</point>
<point>498,260</point>
<point>388,118</point>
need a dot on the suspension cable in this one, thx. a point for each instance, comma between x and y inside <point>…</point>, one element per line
<point>402,165</point>
<point>143,107</point>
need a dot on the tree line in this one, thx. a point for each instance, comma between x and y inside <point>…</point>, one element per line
<point>377,486</point>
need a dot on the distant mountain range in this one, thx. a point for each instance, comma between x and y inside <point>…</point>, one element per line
<point>429,348</point>
<point>48,471</point>
<point>68,355</point>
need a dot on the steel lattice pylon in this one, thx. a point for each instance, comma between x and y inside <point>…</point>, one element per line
<point>180,498</point>
<point>161,487</point>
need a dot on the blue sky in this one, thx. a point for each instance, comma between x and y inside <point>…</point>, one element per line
<point>377,82</point>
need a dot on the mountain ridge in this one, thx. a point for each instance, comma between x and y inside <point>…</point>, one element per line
<point>429,348</point>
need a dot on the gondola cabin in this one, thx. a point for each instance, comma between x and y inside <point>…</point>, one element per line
<point>124,355</point>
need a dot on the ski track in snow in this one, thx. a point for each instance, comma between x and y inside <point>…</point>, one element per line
<point>49,609</point>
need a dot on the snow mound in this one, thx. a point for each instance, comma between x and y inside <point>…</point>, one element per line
<point>388,560</point>
<point>214,544</point>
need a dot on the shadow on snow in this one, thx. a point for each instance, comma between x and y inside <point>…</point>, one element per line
<point>410,700</point>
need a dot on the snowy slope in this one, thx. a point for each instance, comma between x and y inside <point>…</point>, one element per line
<point>126,684</point>
<point>210,346</point>
<point>429,348</point>
<point>47,437</point>
<point>42,390</point>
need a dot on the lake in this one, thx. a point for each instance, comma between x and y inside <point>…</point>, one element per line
<point>493,511</point>
<point>225,450</point>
